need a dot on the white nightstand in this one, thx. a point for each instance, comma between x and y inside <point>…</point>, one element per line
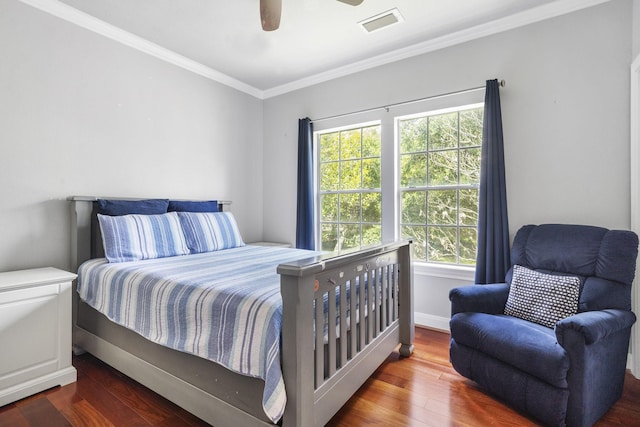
<point>35,332</point>
<point>281,245</point>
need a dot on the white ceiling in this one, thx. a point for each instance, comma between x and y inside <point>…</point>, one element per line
<point>317,39</point>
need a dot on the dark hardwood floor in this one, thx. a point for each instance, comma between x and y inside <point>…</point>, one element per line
<point>422,390</point>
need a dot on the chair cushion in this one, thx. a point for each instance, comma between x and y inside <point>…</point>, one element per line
<point>542,298</point>
<point>528,346</point>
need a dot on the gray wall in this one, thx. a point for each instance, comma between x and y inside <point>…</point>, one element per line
<point>636,28</point>
<point>565,117</point>
<point>83,115</point>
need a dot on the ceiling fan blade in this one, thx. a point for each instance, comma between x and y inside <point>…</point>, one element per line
<point>270,11</point>
<point>352,2</point>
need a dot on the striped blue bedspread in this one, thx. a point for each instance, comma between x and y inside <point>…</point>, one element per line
<point>224,306</point>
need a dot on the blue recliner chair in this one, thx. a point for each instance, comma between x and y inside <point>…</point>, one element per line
<point>559,354</point>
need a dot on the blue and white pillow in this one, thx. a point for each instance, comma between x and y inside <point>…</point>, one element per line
<point>210,231</point>
<point>138,237</point>
<point>542,298</point>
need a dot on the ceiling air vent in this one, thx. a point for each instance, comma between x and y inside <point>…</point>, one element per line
<point>381,20</point>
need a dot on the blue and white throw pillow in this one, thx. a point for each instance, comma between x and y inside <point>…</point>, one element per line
<point>138,237</point>
<point>542,298</point>
<point>210,231</point>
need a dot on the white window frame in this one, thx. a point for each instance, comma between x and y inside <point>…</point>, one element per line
<point>316,145</point>
<point>389,162</point>
<point>426,188</point>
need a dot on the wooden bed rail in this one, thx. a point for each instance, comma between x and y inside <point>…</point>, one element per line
<point>371,293</point>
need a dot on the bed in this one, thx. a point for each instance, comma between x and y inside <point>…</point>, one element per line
<point>337,317</point>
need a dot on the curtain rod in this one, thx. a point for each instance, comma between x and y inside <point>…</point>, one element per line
<point>501,83</point>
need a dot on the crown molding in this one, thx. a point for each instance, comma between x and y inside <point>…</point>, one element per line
<point>84,20</point>
<point>537,14</point>
<point>91,23</point>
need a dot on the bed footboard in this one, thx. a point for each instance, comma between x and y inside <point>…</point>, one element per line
<point>359,307</point>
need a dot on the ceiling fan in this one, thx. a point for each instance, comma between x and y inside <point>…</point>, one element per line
<point>270,11</point>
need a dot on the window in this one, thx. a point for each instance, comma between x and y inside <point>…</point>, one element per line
<point>349,187</point>
<point>407,171</point>
<point>439,181</point>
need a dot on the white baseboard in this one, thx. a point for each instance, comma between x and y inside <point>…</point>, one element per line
<point>60,377</point>
<point>431,321</point>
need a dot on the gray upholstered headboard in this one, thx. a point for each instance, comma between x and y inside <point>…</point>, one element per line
<point>86,241</point>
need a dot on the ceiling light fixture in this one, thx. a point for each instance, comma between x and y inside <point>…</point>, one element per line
<point>271,10</point>
<point>381,20</point>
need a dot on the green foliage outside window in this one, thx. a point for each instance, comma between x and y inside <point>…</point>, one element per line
<point>439,180</point>
<point>350,197</point>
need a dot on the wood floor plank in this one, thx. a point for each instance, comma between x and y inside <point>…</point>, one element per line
<point>36,410</point>
<point>184,420</point>
<point>64,397</point>
<point>365,412</point>
<point>150,406</point>
<point>422,390</point>
<point>12,417</point>
<point>109,405</point>
<point>7,408</point>
<point>82,413</point>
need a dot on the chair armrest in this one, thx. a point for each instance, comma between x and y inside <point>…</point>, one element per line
<point>479,298</point>
<point>594,325</point>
